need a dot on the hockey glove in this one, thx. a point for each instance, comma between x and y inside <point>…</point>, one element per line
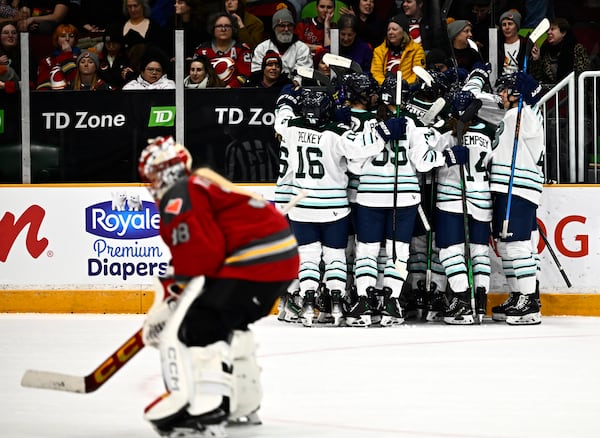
<point>456,155</point>
<point>529,88</point>
<point>460,102</point>
<point>480,73</point>
<point>166,293</point>
<point>342,115</point>
<point>289,96</point>
<point>392,129</point>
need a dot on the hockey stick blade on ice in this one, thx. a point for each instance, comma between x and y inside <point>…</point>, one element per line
<point>94,380</point>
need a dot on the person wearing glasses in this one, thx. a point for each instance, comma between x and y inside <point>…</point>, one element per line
<point>229,57</point>
<point>294,53</point>
<point>152,72</point>
<point>55,72</point>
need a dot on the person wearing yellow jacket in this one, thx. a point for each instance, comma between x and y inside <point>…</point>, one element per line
<point>397,52</point>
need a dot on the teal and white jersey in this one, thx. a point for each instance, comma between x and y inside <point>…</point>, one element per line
<point>359,119</point>
<point>317,159</point>
<point>378,174</point>
<point>478,138</point>
<point>528,176</point>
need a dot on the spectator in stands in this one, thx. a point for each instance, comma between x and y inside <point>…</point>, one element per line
<point>42,16</point>
<point>87,77</point>
<point>420,26</point>
<point>190,16</point>
<point>139,28</point>
<point>271,73</point>
<point>114,62</point>
<point>319,64</point>
<point>511,46</point>
<point>9,46</point>
<point>397,52</point>
<point>202,74</point>
<point>10,67</point>
<point>559,55</point>
<point>294,53</point>
<point>56,71</point>
<point>314,31</point>
<point>230,58</point>
<point>152,72</point>
<point>251,28</point>
<point>9,11</point>
<point>481,21</point>
<point>459,33</point>
<point>351,45</point>
<point>371,27</point>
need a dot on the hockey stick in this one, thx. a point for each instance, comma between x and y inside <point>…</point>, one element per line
<point>339,61</point>
<point>533,37</point>
<point>293,201</point>
<point>316,75</point>
<point>460,127</point>
<point>395,203</point>
<point>423,75</point>
<point>555,258</point>
<point>92,381</point>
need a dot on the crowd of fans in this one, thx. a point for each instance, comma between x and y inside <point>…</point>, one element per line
<point>129,44</point>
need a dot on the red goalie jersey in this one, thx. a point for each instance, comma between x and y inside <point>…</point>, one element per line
<point>216,229</point>
<point>232,66</point>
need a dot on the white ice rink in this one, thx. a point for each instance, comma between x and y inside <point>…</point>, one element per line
<point>416,380</point>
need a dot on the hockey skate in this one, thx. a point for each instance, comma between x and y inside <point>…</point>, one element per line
<point>337,310</point>
<point>409,298</point>
<point>359,314</point>
<point>323,303</point>
<point>525,312</point>
<point>421,298</point>
<point>436,303</point>
<point>391,313</point>
<point>307,314</point>
<point>251,419</point>
<point>480,302</point>
<point>375,300</point>
<point>291,309</point>
<point>459,311</point>
<point>499,312</point>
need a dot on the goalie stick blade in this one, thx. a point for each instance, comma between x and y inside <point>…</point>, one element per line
<point>94,380</point>
<point>55,381</point>
<point>423,75</point>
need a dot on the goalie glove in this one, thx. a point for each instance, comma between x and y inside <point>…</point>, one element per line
<point>456,155</point>
<point>392,129</point>
<point>166,293</point>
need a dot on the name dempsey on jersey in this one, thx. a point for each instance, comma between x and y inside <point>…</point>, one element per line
<point>475,139</point>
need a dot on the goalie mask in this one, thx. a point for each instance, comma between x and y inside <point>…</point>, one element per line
<point>316,106</point>
<point>162,163</point>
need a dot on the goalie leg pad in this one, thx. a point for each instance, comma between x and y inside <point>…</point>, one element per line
<point>198,379</point>
<point>247,388</point>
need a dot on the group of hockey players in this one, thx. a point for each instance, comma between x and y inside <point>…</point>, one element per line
<point>367,174</point>
<point>406,187</point>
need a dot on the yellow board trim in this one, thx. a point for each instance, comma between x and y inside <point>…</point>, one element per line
<point>138,302</point>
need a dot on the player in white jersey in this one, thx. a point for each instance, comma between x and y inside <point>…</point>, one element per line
<point>316,150</point>
<point>473,151</point>
<point>517,187</point>
<point>382,177</point>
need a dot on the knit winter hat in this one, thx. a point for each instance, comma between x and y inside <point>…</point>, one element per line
<point>401,21</point>
<point>271,56</point>
<point>512,15</point>
<point>283,15</point>
<point>154,54</point>
<point>91,55</point>
<point>457,27</point>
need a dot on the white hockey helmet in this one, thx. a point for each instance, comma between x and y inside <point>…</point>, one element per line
<point>162,163</point>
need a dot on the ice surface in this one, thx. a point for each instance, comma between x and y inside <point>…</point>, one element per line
<point>418,380</point>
